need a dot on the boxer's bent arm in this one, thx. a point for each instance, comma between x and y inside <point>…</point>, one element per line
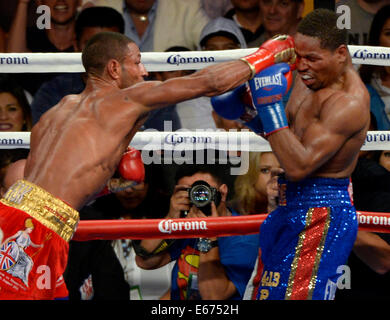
<point>210,81</point>
<point>339,121</point>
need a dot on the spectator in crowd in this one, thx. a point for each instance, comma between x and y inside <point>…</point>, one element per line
<point>221,34</point>
<point>105,269</point>
<point>369,262</point>
<point>165,75</point>
<point>115,4</point>
<point>278,17</point>
<point>250,189</point>
<point>214,268</point>
<point>15,112</point>
<point>7,158</point>
<point>246,14</point>
<point>89,22</point>
<point>3,40</point>
<point>377,78</point>
<point>8,10</point>
<point>156,25</point>
<point>59,37</point>
<point>361,14</point>
<point>218,34</point>
<point>216,8</point>
<point>144,201</point>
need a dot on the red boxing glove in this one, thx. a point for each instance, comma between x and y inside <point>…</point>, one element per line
<point>131,170</point>
<point>280,48</point>
<point>131,166</point>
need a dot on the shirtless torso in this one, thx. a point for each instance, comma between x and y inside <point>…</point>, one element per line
<point>76,146</point>
<point>327,125</point>
<point>313,229</point>
<point>79,146</point>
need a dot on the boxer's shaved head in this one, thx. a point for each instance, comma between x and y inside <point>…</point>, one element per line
<point>101,48</point>
<point>322,24</point>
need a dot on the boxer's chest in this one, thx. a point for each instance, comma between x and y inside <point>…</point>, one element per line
<point>303,111</point>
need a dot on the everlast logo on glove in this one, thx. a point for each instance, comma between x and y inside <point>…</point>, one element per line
<point>268,88</point>
<point>275,80</point>
<point>266,83</point>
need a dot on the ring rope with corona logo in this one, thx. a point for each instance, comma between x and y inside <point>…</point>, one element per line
<point>232,140</point>
<point>137,229</point>
<point>162,61</point>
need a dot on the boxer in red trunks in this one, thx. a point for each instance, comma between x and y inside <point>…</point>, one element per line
<point>19,252</point>
<point>77,145</point>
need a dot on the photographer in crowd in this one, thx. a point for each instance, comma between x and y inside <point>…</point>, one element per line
<point>208,269</point>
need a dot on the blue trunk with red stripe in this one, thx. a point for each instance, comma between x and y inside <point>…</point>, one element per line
<point>305,240</point>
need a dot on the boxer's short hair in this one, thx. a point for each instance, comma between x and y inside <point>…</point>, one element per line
<point>322,24</point>
<point>103,47</point>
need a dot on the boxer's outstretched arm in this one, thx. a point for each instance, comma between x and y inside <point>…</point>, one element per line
<point>210,81</point>
<point>213,80</point>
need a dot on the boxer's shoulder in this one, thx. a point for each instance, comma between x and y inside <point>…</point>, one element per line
<point>332,99</point>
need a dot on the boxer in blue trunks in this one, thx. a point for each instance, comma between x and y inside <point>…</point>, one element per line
<point>305,240</point>
<point>317,139</point>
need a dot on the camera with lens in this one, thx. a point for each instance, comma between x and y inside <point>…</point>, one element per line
<point>201,194</point>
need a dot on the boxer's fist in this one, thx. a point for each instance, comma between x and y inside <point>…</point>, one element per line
<point>238,105</point>
<point>278,49</point>
<point>268,88</point>
<point>131,166</point>
<point>131,170</point>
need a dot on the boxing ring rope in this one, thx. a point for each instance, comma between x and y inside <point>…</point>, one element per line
<point>197,227</point>
<point>161,61</point>
<point>183,140</point>
<point>180,228</point>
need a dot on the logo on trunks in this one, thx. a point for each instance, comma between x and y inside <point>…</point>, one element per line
<point>14,258</point>
<point>17,192</point>
<point>177,59</point>
<point>274,80</point>
<point>167,226</point>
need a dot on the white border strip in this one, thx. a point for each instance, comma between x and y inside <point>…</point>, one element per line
<point>161,61</point>
<point>183,140</point>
